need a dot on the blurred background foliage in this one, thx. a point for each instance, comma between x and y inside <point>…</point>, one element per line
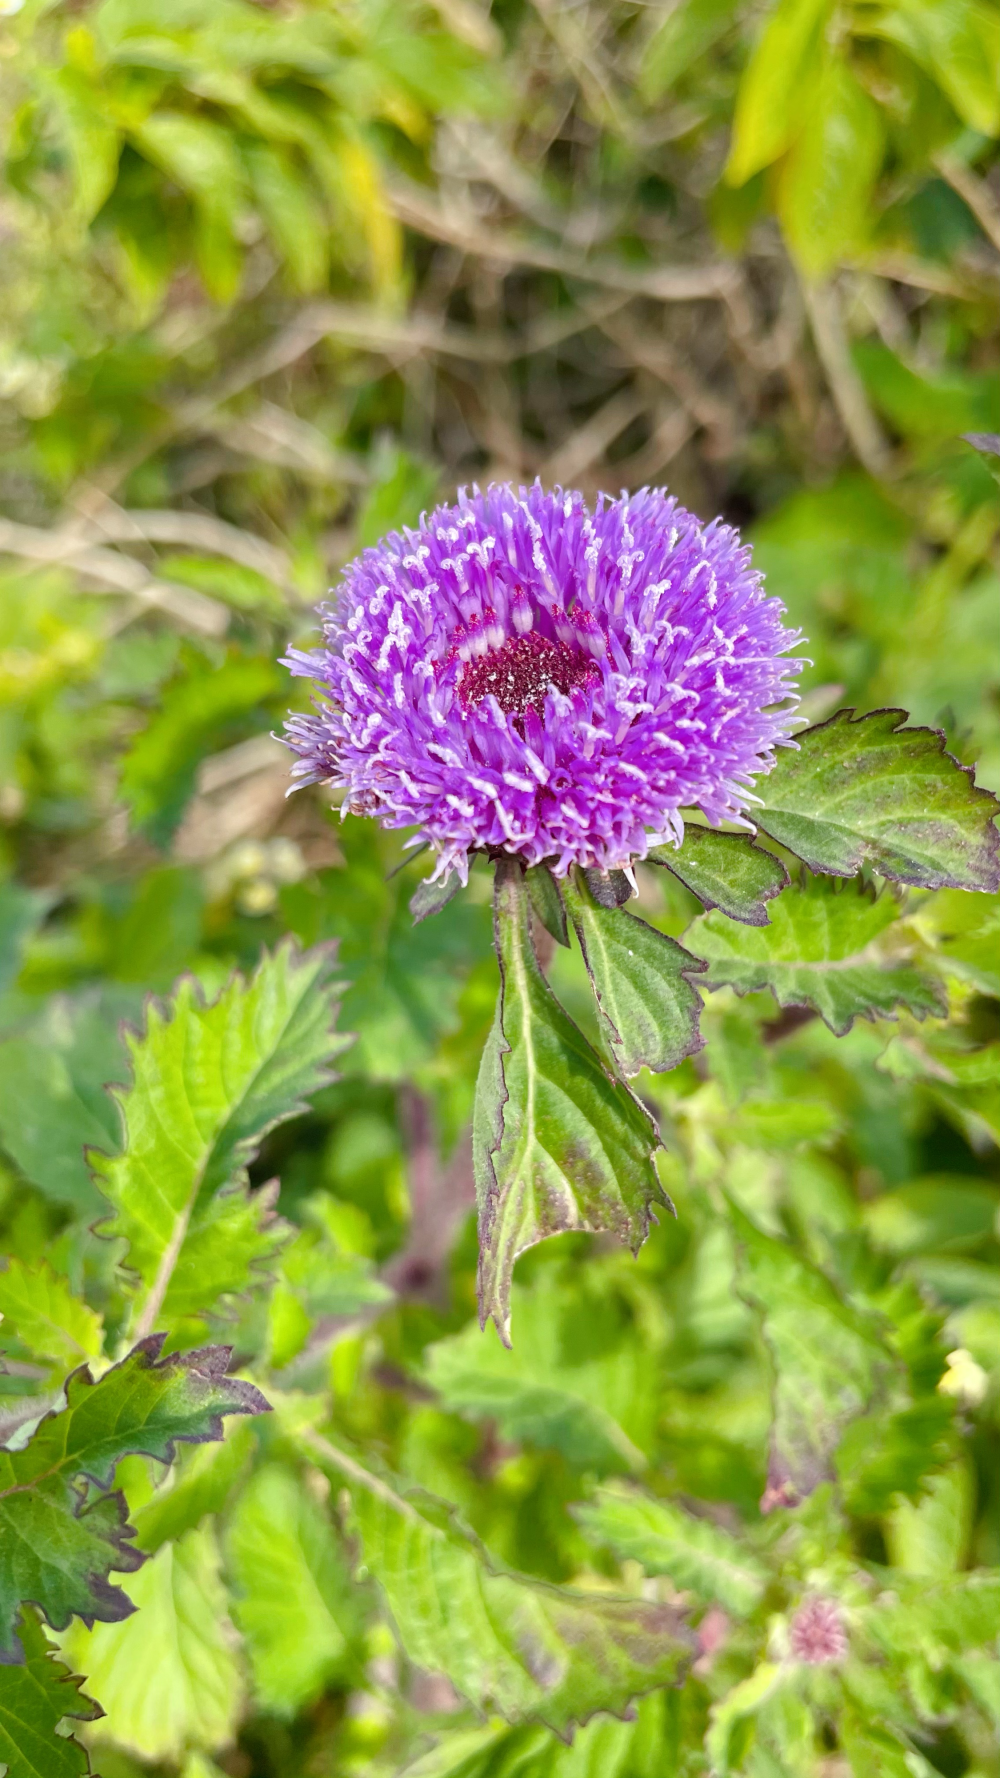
<point>277,275</point>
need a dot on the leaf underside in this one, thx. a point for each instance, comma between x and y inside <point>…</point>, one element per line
<point>526,1649</point>
<point>868,790</point>
<point>558,1144</point>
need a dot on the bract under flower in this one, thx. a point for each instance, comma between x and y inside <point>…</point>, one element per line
<point>522,675</point>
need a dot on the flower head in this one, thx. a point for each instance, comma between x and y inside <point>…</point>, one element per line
<point>816,1634</point>
<point>520,674</point>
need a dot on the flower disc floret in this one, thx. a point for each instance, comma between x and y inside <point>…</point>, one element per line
<point>520,674</point>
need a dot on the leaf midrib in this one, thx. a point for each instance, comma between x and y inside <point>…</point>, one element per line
<point>153,1303</point>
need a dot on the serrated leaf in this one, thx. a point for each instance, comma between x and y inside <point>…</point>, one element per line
<point>665,1539</point>
<point>546,902</point>
<point>38,1304</point>
<point>554,1390</point>
<point>169,1677</point>
<point>36,1693</point>
<point>557,1143</point>
<point>524,1648</point>
<point>208,1083</point>
<point>648,1005</point>
<point>868,790</point>
<point>725,870</point>
<point>828,1359</point>
<point>822,949</point>
<point>888,1452</point>
<point>58,1547</point>
<point>293,1601</point>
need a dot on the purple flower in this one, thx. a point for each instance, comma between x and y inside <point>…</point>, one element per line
<point>522,675</point>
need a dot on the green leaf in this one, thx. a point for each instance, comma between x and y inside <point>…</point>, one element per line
<point>828,1359</point>
<point>58,1547</point>
<point>867,790</point>
<point>959,46</point>
<point>199,1484</point>
<point>429,897</point>
<point>558,1144</point>
<point>21,911</point>
<point>546,902</point>
<point>169,1678</point>
<point>53,1104</point>
<point>208,1083</point>
<point>725,871</point>
<point>295,218</point>
<point>665,1539</point>
<point>35,1695</point>
<point>506,1642</point>
<point>772,91</point>
<point>649,1006</point>
<point>931,1535</point>
<point>93,140</point>
<point>38,1304</point>
<point>822,949</point>
<point>827,180</point>
<point>293,1601</point>
<point>684,35</point>
<point>557,1389</point>
<point>195,712</point>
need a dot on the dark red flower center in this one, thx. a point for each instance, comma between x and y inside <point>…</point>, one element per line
<point>523,670</point>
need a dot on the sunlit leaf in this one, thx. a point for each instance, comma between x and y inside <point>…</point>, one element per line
<point>208,1083</point>
<point>58,1546</point>
<point>293,1601</point>
<point>859,790</point>
<point>169,1676</point>
<point>39,1305</point>
<point>823,949</point>
<point>775,88</point>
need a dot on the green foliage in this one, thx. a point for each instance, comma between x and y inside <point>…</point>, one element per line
<point>208,1083</point>
<point>275,280</point>
<point>35,1696</point>
<point>642,983</point>
<point>559,1144</point>
<point>294,1603</point>
<point>725,871</point>
<point>61,1547</point>
<point>527,1649</point>
<point>666,1540</point>
<point>870,791</point>
<point>823,949</point>
<point>169,1676</point>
